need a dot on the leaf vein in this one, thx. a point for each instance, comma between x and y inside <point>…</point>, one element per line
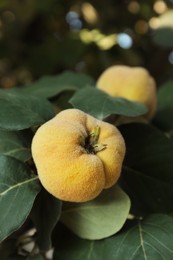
<point>141,240</point>
<point>154,238</point>
<point>120,245</point>
<point>136,250</point>
<point>18,185</point>
<point>155,250</point>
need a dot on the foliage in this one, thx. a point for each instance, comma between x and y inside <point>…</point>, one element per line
<point>149,238</point>
<point>47,65</point>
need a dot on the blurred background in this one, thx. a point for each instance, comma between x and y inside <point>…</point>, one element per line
<point>47,37</point>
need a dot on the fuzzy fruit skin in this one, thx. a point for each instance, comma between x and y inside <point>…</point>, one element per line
<point>133,83</point>
<point>65,168</point>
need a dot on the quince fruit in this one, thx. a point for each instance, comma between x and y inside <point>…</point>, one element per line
<point>132,83</point>
<point>77,156</point>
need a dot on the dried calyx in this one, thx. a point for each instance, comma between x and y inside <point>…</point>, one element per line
<point>90,143</point>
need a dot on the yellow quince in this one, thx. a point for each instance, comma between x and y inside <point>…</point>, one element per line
<point>132,83</point>
<point>77,156</point>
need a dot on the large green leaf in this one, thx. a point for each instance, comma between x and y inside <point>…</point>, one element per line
<point>14,144</point>
<point>148,168</point>
<point>100,217</point>
<point>148,239</point>
<point>18,189</point>
<point>19,111</point>
<point>100,105</point>
<point>164,116</point>
<point>50,86</point>
<point>46,213</point>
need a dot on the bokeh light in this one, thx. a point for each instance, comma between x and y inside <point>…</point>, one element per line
<point>124,40</point>
<point>90,13</point>
<point>154,22</point>
<point>160,7</point>
<point>134,7</point>
<point>73,20</point>
<point>141,26</point>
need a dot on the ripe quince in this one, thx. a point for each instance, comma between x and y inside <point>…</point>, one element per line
<point>132,83</point>
<point>77,156</point>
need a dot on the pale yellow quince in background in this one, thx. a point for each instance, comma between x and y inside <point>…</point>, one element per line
<point>132,83</point>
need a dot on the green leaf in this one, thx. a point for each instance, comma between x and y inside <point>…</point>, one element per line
<point>14,144</point>
<point>100,105</point>
<point>148,239</point>
<point>100,217</point>
<point>46,213</point>
<point>148,168</point>
<point>50,86</point>
<point>19,111</point>
<point>18,189</point>
<point>163,118</point>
